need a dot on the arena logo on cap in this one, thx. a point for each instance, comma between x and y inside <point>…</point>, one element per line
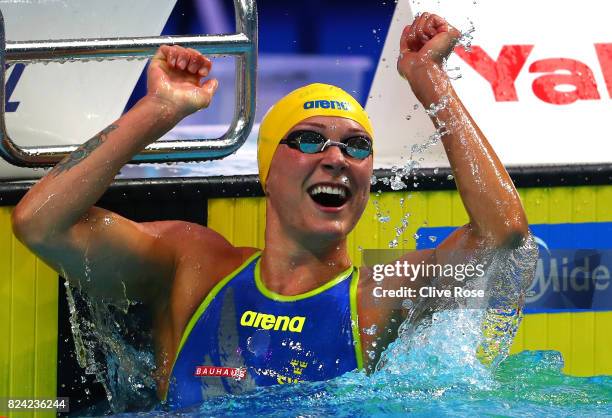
<point>326,104</point>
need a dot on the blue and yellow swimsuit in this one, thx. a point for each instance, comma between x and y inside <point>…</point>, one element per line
<point>273,339</point>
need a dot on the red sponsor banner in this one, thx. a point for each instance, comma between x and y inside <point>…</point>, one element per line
<point>237,373</point>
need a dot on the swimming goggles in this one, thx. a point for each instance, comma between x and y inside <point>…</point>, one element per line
<point>311,142</point>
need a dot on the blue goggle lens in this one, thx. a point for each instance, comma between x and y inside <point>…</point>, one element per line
<point>311,142</point>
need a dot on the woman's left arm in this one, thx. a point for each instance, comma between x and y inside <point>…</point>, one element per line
<point>496,215</point>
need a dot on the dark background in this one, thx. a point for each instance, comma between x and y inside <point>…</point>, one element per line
<point>313,27</point>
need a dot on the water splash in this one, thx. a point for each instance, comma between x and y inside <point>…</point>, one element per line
<point>397,183</point>
<point>111,345</point>
<point>384,218</point>
<point>466,38</point>
<point>435,369</point>
<point>454,73</point>
<point>409,169</point>
<point>371,330</point>
<point>481,334</point>
<point>528,384</point>
<point>399,229</point>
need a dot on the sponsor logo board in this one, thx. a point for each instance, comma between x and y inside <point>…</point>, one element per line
<point>574,267</point>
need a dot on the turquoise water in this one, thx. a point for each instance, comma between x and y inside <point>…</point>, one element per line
<point>428,374</point>
<point>431,369</point>
<point>527,384</point>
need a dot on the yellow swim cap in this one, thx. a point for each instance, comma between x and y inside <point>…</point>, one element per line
<point>311,100</point>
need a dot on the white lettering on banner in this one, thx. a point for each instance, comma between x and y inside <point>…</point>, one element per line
<point>561,279</point>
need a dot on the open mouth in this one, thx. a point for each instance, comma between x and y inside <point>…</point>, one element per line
<point>331,196</point>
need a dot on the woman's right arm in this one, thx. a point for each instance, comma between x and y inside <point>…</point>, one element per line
<point>56,218</point>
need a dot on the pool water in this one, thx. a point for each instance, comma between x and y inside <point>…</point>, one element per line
<point>432,375</point>
<point>448,360</point>
<point>527,384</point>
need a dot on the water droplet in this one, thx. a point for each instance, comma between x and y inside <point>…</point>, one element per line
<point>397,183</point>
<point>407,304</point>
<point>370,331</point>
